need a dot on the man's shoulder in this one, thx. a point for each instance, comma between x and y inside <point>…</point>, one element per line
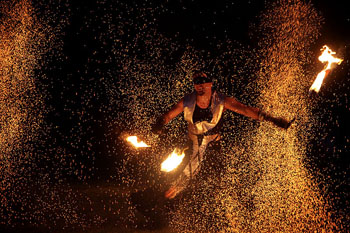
<point>189,98</point>
<point>219,94</point>
<point>189,95</point>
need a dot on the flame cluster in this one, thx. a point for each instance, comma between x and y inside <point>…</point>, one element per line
<point>135,142</point>
<point>173,160</point>
<point>326,56</point>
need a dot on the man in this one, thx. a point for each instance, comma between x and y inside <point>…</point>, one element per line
<point>203,111</point>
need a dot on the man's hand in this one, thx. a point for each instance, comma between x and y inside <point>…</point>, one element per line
<point>278,121</point>
<point>157,127</point>
<point>171,193</point>
<point>282,123</point>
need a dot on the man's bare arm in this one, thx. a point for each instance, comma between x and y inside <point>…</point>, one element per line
<point>167,117</point>
<point>233,105</point>
<point>174,112</point>
<point>255,113</point>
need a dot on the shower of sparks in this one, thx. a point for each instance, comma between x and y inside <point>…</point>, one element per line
<point>267,187</point>
<point>173,161</point>
<point>29,188</point>
<point>126,74</point>
<point>20,116</point>
<point>135,142</point>
<point>279,186</point>
<point>326,56</point>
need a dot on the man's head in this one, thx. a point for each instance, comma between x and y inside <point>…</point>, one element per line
<point>202,83</point>
<point>199,77</point>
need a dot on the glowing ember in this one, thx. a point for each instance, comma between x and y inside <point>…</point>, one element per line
<point>326,56</point>
<point>173,160</point>
<point>134,141</point>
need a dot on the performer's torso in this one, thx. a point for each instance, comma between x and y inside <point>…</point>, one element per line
<point>202,114</point>
<point>203,120</point>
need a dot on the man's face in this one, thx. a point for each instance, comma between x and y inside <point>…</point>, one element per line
<point>203,88</point>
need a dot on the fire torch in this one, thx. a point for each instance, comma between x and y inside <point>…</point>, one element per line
<point>326,56</point>
<point>150,201</point>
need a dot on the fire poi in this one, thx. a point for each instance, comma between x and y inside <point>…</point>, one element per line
<point>135,142</point>
<point>173,160</point>
<point>326,56</point>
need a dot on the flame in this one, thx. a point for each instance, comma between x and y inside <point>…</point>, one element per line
<point>134,141</point>
<point>326,56</point>
<point>173,160</point>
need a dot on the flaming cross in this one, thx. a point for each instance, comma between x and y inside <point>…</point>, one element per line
<point>326,56</point>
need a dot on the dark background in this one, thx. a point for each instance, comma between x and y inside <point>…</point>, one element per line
<point>85,114</point>
<point>77,74</point>
<point>79,114</point>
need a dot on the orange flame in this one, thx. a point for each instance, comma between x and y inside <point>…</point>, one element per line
<point>173,160</point>
<point>134,141</point>
<point>326,56</point>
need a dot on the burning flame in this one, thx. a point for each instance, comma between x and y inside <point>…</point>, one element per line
<point>134,141</point>
<point>326,56</point>
<point>173,160</point>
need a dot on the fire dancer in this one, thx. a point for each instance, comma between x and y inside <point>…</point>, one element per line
<point>203,110</point>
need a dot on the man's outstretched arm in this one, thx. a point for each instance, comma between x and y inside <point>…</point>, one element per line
<point>233,105</point>
<point>255,113</point>
<point>168,116</point>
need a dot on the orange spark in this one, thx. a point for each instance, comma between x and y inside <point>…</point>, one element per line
<point>326,56</point>
<point>173,160</point>
<point>134,141</point>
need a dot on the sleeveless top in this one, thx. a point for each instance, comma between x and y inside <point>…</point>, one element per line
<point>204,120</point>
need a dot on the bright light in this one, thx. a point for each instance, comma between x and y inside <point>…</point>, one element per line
<point>326,56</point>
<point>134,141</point>
<point>173,160</point>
